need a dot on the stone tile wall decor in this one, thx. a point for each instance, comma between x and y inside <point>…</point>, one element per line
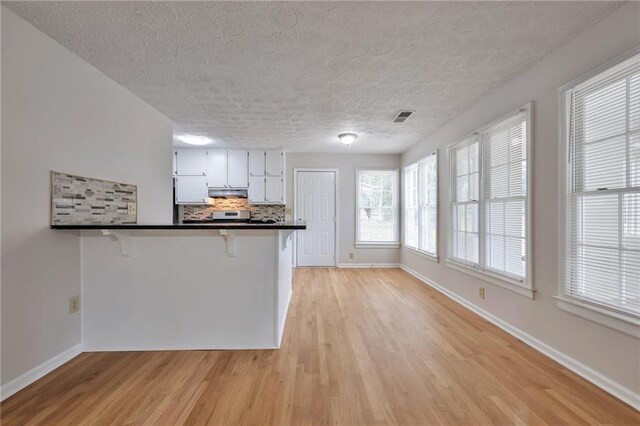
<point>82,200</point>
<point>192,212</point>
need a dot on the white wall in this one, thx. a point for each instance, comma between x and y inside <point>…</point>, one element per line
<point>347,165</point>
<point>59,113</point>
<point>609,352</point>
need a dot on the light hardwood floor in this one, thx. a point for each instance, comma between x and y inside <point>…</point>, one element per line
<point>360,347</point>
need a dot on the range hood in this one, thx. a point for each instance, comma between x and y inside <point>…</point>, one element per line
<point>227,193</point>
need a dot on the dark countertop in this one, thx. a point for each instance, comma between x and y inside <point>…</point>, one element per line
<point>293,225</point>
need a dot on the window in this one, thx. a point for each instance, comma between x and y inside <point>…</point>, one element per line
<point>421,205</point>
<point>489,209</point>
<point>377,207</point>
<point>601,206</point>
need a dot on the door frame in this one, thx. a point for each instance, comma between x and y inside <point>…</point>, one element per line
<point>336,254</point>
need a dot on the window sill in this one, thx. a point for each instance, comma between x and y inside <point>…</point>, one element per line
<point>496,280</point>
<point>376,245</point>
<point>625,324</point>
<point>421,254</point>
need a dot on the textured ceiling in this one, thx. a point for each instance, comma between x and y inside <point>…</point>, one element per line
<point>295,75</point>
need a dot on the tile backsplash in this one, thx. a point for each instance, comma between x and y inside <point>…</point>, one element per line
<point>77,200</point>
<point>203,212</point>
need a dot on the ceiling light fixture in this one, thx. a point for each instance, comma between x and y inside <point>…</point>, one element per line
<point>347,138</point>
<point>194,139</point>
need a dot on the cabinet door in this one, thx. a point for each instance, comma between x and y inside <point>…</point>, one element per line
<point>256,189</point>
<point>256,163</point>
<point>175,163</point>
<point>238,172</point>
<point>191,190</point>
<point>273,190</point>
<point>273,163</point>
<point>217,168</point>
<point>191,162</point>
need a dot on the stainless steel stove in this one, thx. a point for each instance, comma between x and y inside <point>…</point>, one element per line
<point>231,216</point>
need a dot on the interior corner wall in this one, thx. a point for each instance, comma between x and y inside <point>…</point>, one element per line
<point>346,165</point>
<point>608,352</point>
<point>59,113</point>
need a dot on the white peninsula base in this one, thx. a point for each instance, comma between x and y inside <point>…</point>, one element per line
<point>180,289</point>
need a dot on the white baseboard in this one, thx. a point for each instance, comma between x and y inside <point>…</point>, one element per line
<point>38,372</point>
<point>368,265</point>
<point>614,388</point>
<point>177,348</point>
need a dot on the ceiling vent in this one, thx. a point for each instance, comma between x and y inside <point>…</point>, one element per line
<point>402,116</point>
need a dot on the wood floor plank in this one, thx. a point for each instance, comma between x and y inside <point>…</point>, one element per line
<point>361,346</point>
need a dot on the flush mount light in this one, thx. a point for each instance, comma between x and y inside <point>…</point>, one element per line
<point>194,139</point>
<point>347,138</point>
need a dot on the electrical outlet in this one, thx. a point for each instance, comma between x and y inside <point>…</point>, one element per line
<point>481,293</point>
<point>350,255</point>
<point>131,208</point>
<point>74,304</point>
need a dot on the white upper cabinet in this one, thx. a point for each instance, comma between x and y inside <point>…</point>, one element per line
<point>256,189</point>
<point>273,190</point>
<point>238,162</point>
<point>191,190</point>
<point>191,162</point>
<point>262,172</point>
<point>274,164</point>
<point>256,163</point>
<point>216,168</point>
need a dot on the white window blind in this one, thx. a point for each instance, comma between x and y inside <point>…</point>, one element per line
<point>428,199</point>
<point>465,211</point>
<point>411,223</point>
<point>421,205</point>
<point>602,203</point>
<point>377,219</point>
<point>504,161</point>
<point>489,200</point>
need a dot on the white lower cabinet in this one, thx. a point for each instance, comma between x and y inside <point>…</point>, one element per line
<point>273,190</point>
<point>191,190</point>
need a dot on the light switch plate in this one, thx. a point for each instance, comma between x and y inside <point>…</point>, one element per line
<point>131,208</point>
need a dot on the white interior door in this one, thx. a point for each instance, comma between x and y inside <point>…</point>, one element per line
<point>316,203</point>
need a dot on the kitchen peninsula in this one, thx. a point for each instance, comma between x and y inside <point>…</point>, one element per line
<point>185,286</point>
